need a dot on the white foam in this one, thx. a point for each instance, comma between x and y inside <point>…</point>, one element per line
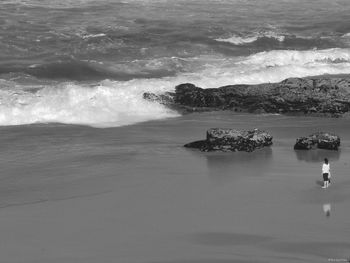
<point>106,105</point>
<point>250,38</point>
<point>273,66</point>
<point>238,40</point>
<point>87,36</point>
<point>294,57</point>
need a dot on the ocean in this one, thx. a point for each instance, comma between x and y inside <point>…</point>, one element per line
<point>89,62</point>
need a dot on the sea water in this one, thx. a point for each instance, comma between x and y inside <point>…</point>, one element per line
<point>89,62</point>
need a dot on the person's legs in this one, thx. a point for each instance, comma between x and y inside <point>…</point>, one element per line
<point>325,180</point>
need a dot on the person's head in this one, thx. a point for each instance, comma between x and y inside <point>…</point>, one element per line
<point>325,160</point>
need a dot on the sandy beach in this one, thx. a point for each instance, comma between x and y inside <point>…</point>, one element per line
<point>134,194</point>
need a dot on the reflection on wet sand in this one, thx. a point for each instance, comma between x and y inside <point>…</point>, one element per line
<point>327,209</point>
<point>224,166</point>
<point>317,155</point>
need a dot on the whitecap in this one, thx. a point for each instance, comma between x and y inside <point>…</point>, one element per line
<point>238,40</point>
<point>250,38</point>
<point>93,35</point>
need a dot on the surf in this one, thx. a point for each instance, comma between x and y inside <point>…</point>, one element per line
<point>107,104</point>
<point>111,102</point>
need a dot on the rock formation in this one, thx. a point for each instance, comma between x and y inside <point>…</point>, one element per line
<point>323,96</point>
<point>232,140</point>
<point>321,140</point>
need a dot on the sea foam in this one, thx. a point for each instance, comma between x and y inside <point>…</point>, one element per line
<point>108,104</point>
<point>250,38</point>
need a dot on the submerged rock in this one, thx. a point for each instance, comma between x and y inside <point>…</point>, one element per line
<point>322,96</point>
<point>232,140</point>
<point>321,140</point>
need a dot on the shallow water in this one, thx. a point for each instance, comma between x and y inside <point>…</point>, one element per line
<point>145,198</point>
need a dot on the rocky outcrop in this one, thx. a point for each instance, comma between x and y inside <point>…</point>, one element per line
<point>321,140</point>
<point>322,96</point>
<point>232,140</point>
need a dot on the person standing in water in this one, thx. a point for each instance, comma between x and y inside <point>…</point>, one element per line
<point>326,173</point>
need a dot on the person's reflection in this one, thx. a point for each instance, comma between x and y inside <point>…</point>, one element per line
<point>317,155</point>
<point>327,209</point>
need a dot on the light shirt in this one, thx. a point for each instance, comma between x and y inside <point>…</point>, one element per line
<point>325,168</point>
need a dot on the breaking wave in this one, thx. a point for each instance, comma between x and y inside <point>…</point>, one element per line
<point>250,38</point>
<point>108,104</point>
<point>273,66</point>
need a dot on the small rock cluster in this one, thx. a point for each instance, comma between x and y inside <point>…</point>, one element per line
<point>232,140</point>
<point>321,140</point>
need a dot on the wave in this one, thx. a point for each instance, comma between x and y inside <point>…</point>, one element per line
<point>272,66</point>
<point>70,69</point>
<point>87,36</point>
<point>272,40</point>
<point>250,38</point>
<point>295,57</point>
<point>110,103</point>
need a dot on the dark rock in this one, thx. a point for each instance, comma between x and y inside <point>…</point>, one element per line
<point>321,140</point>
<point>232,140</point>
<point>165,99</point>
<point>327,96</point>
<point>304,143</point>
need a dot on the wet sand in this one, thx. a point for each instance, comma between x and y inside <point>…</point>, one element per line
<point>134,194</point>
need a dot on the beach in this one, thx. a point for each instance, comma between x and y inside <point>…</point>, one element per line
<point>93,168</point>
<point>134,194</point>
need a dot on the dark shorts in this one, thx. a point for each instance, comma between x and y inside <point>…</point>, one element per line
<point>325,177</point>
